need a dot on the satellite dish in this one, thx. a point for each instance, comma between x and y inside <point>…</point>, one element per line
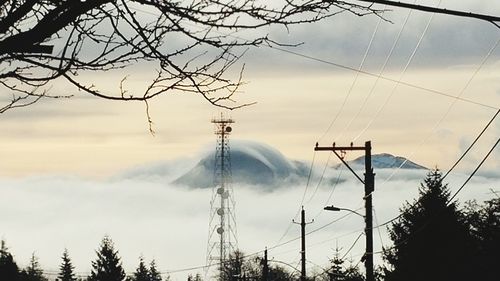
<point>220,211</point>
<point>220,190</point>
<point>220,230</point>
<point>229,129</point>
<point>225,195</point>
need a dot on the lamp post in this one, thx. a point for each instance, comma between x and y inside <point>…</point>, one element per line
<point>369,184</point>
<point>369,240</point>
<point>336,209</point>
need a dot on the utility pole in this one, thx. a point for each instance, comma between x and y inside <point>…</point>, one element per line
<point>369,183</point>
<point>303,243</point>
<point>265,267</point>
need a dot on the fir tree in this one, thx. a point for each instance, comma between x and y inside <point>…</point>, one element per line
<point>430,240</point>
<point>8,267</point>
<point>107,266</point>
<point>66,272</point>
<point>484,224</point>
<point>338,271</point>
<point>142,272</point>
<point>154,274</point>
<point>34,271</point>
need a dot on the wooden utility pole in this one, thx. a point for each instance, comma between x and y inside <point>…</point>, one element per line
<point>369,183</point>
<point>303,243</point>
<point>265,267</point>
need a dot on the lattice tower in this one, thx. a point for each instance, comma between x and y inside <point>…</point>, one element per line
<point>222,236</point>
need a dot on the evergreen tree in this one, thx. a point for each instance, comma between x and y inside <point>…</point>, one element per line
<point>339,272</point>
<point>108,266</point>
<point>142,272</point>
<point>154,274</point>
<point>8,267</point>
<point>34,271</point>
<point>484,224</point>
<point>66,272</point>
<point>431,239</point>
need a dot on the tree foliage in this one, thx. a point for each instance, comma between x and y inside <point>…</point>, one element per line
<point>107,266</point>
<point>340,271</point>
<point>66,270</point>
<point>34,271</point>
<point>8,267</point>
<point>143,273</point>
<point>188,43</point>
<point>484,222</point>
<point>431,240</point>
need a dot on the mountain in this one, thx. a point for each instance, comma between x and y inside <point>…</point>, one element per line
<point>387,161</point>
<point>252,163</point>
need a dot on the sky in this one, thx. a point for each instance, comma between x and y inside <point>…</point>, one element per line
<point>62,158</point>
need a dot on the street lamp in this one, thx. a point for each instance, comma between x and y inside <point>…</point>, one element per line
<point>336,209</point>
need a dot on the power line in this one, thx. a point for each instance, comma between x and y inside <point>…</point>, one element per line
<point>432,91</point>
<point>454,165</point>
<point>368,48</point>
<point>403,72</point>
<point>475,170</point>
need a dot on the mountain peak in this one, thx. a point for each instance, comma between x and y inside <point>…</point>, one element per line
<point>252,163</point>
<point>388,161</point>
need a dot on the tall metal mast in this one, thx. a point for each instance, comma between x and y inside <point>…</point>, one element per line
<point>222,238</point>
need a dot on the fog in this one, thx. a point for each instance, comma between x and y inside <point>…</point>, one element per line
<point>149,216</point>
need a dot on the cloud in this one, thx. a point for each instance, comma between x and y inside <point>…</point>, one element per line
<point>145,214</point>
<point>343,39</point>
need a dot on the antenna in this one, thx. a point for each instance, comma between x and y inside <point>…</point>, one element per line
<point>222,235</point>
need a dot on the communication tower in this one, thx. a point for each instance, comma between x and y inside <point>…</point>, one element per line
<point>222,236</point>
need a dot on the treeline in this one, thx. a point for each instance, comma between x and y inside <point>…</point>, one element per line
<point>433,239</point>
<point>106,267</point>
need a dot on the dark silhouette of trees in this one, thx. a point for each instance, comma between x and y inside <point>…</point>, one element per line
<point>34,271</point>
<point>154,274</point>
<point>66,270</point>
<point>143,273</point>
<point>196,277</point>
<point>107,266</point>
<point>484,222</point>
<point>339,271</point>
<point>186,42</point>
<point>8,267</point>
<point>431,240</point>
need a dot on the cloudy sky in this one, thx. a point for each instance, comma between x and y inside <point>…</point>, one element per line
<point>61,158</point>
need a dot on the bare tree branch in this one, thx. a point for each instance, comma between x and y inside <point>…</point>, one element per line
<point>188,42</point>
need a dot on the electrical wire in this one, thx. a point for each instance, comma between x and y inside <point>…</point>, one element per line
<point>449,203</point>
<point>320,179</point>
<point>474,172</point>
<point>411,85</point>
<point>333,188</point>
<point>349,92</point>
<point>352,246</point>
<point>394,89</point>
<point>302,200</point>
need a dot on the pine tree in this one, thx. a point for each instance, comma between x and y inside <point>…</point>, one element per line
<point>142,272</point>
<point>8,267</point>
<point>66,272</point>
<point>34,271</point>
<point>339,272</point>
<point>431,239</point>
<point>108,266</point>
<point>154,274</point>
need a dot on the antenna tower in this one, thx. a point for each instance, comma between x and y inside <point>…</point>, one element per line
<point>222,223</point>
